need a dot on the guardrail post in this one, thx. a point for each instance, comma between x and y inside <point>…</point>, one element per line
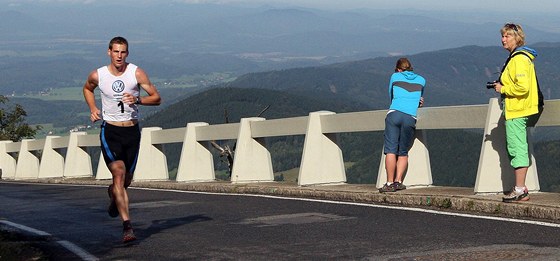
<point>495,174</point>
<point>321,161</point>
<point>7,162</point>
<point>52,162</point>
<point>28,163</point>
<point>196,163</point>
<point>78,161</point>
<point>252,161</point>
<point>152,162</point>
<point>418,164</point>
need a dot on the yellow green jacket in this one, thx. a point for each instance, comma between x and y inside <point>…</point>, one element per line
<point>520,90</point>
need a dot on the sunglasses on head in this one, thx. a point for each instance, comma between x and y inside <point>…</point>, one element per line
<point>511,26</point>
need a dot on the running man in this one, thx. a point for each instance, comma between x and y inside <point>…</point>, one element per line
<point>119,83</point>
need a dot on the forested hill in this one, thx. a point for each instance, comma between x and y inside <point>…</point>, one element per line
<point>454,76</point>
<point>210,106</point>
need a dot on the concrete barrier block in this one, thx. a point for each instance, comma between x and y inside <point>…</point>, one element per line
<point>196,163</point>
<point>7,162</point>
<point>252,161</point>
<point>495,174</point>
<point>52,161</point>
<point>152,162</point>
<point>78,161</point>
<point>102,172</point>
<point>419,172</point>
<point>321,161</point>
<point>28,162</point>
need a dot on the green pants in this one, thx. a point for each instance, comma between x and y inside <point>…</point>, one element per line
<point>516,139</point>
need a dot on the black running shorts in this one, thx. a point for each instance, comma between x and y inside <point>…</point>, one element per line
<point>120,143</point>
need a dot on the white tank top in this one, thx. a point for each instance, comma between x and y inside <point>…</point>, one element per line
<point>112,89</point>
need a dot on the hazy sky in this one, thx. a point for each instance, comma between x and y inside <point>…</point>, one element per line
<point>542,14</point>
<point>498,5</point>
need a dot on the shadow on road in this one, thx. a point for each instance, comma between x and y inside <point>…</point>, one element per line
<point>163,224</point>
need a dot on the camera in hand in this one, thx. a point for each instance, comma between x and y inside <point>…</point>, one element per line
<point>490,85</point>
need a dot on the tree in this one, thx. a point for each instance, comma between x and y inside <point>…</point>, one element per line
<point>12,122</point>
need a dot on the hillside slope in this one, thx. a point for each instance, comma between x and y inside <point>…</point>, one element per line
<point>454,76</point>
<point>209,106</point>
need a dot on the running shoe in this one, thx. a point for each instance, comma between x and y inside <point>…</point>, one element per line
<point>398,186</point>
<point>112,209</point>
<point>516,196</point>
<point>128,235</point>
<point>387,188</point>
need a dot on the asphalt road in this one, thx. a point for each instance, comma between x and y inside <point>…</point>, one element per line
<point>173,225</point>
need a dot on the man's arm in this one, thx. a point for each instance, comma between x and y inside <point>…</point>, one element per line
<point>153,97</point>
<point>91,83</point>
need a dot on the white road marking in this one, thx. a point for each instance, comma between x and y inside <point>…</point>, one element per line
<point>531,222</point>
<point>68,245</point>
<point>77,250</point>
<point>86,256</point>
<point>25,228</point>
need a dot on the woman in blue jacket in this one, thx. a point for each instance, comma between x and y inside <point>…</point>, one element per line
<point>405,90</point>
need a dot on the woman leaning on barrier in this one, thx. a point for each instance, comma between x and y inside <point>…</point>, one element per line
<point>405,90</point>
<point>522,103</point>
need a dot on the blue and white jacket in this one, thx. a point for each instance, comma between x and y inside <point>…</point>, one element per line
<point>405,90</point>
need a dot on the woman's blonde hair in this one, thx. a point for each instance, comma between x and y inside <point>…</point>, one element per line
<point>403,64</point>
<point>516,31</point>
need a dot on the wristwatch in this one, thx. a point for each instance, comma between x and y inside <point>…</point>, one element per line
<point>138,101</point>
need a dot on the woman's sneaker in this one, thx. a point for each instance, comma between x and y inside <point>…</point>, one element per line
<point>387,188</point>
<point>514,195</point>
<point>398,186</point>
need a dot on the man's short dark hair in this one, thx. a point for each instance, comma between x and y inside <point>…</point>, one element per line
<point>118,40</point>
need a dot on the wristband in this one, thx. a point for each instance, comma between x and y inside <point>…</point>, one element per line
<point>138,101</point>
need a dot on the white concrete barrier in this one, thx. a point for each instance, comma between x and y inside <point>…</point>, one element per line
<point>495,174</point>
<point>8,163</point>
<point>252,161</point>
<point>55,166</point>
<point>196,163</point>
<point>419,172</point>
<point>78,161</point>
<point>102,172</point>
<point>152,162</point>
<point>321,161</point>
<point>28,162</point>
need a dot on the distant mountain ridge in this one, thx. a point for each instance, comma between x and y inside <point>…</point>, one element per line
<point>454,76</point>
<point>211,105</point>
<point>172,40</point>
<point>212,28</point>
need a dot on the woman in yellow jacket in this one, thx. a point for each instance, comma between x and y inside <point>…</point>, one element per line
<point>519,88</point>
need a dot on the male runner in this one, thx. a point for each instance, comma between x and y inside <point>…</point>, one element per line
<point>119,83</point>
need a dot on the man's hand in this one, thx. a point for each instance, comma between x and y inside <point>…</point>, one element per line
<point>94,116</point>
<point>129,98</point>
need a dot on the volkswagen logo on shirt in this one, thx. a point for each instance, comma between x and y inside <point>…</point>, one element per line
<point>118,86</point>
